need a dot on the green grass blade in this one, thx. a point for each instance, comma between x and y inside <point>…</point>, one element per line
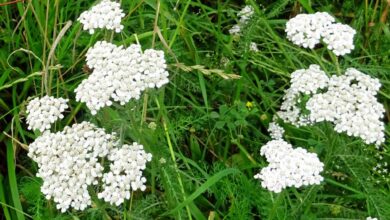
<point>13,184</point>
<point>2,199</point>
<point>210,182</point>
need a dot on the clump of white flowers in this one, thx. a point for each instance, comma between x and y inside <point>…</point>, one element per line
<point>253,47</point>
<point>68,163</point>
<point>303,82</point>
<point>120,74</point>
<point>125,174</point>
<point>339,38</point>
<point>72,160</point>
<point>42,112</point>
<point>371,218</point>
<point>244,16</point>
<point>348,101</point>
<point>288,167</point>
<point>308,81</point>
<point>307,30</point>
<point>276,131</point>
<point>106,14</point>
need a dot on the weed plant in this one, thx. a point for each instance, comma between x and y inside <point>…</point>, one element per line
<point>205,128</point>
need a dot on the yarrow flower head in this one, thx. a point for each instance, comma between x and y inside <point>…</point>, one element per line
<point>339,38</point>
<point>68,163</point>
<point>350,103</point>
<point>125,173</point>
<point>371,218</point>
<point>244,16</point>
<point>42,112</point>
<point>288,167</point>
<point>307,30</point>
<point>276,131</point>
<point>120,74</point>
<point>235,29</point>
<point>303,82</point>
<point>106,14</point>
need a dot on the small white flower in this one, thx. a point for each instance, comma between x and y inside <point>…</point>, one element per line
<point>152,125</point>
<point>253,47</point>
<point>339,38</point>
<point>106,14</point>
<point>275,130</point>
<point>235,30</point>
<point>307,30</point>
<point>288,167</point>
<point>303,82</point>
<point>42,112</point>
<point>371,218</point>
<point>162,160</point>
<point>244,16</point>
<point>125,173</point>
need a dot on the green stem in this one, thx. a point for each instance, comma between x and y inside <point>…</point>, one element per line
<point>144,108</point>
<point>180,23</point>
<point>335,59</point>
<point>173,157</point>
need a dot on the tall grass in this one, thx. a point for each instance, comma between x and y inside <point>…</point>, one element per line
<point>206,141</point>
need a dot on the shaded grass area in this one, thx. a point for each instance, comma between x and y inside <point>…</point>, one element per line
<point>206,140</point>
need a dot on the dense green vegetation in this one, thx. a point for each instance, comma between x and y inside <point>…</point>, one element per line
<point>206,127</point>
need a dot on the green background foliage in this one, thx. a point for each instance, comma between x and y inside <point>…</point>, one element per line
<point>204,137</point>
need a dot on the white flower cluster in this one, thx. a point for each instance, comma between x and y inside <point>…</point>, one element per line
<point>106,14</point>
<point>288,167</point>
<point>68,163</point>
<point>371,218</point>
<point>350,104</point>
<point>276,131</point>
<point>245,15</point>
<point>307,30</point>
<point>253,47</point>
<point>120,74</point>
<point>303,82</point>
<point>125,173</point>
<point>339,38</point>
<point>42,112</point>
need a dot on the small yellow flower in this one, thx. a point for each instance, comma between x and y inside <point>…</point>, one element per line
<point>263,117</point>
<point>249,105</point>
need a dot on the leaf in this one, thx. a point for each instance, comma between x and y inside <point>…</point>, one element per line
<point>2,200</point>
<point>13,183</point>
<point>220,124</point>
<point>210,182</point>
<point>214,114</point>
<point>306,5</point>
<point>277,7</point>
